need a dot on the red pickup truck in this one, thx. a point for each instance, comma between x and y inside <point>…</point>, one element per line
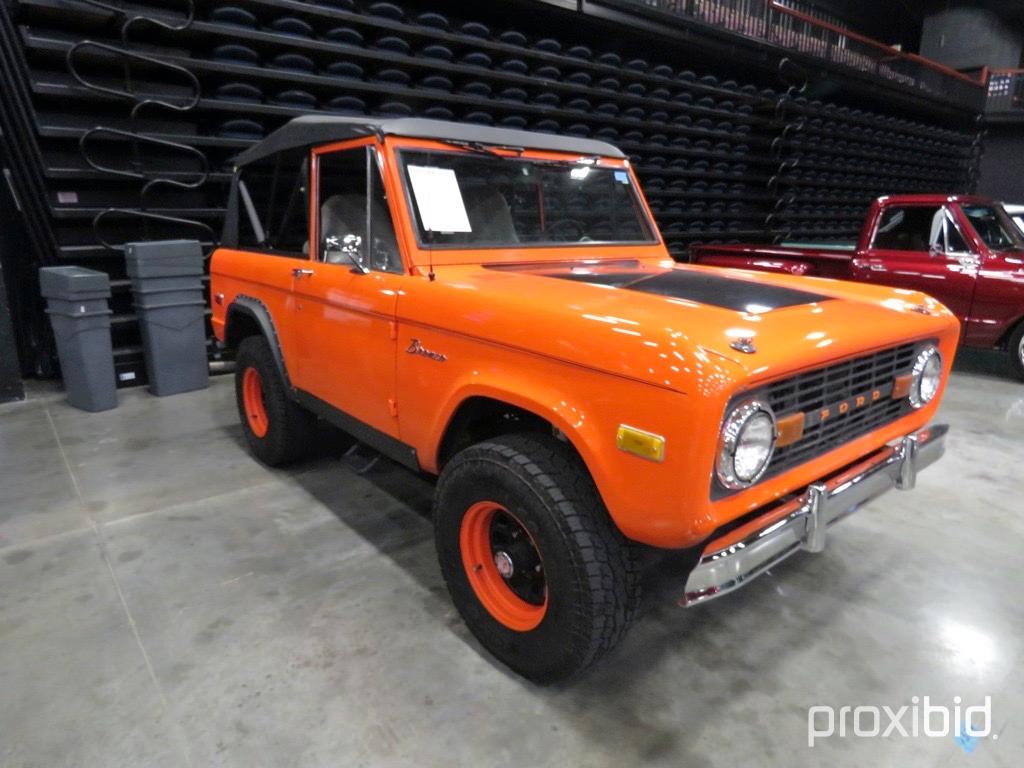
<point>965,251</point>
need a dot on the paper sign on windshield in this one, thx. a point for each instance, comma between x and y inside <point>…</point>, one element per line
<point>439,199</point>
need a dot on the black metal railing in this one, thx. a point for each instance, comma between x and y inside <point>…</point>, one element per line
<point>772,22</point>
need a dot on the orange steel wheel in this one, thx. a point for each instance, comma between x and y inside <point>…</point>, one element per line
<point>252,397</point>
<point>504,566</point>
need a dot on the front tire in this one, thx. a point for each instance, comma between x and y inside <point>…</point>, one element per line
<point>533,563</point>
<point>277,429</point>
<point>1016,350</point>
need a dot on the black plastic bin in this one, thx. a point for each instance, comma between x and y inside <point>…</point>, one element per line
<point>76,301</point>
<point>166,279</point>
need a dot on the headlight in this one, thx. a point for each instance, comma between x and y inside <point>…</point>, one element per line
<point>746,444</point>
<point>926,376</point>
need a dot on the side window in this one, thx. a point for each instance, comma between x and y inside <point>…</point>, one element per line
<point>274,203</point>
<point>354,216</point>
<point>906,228</point>
<point>955,242</point>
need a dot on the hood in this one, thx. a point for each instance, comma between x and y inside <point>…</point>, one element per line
<point>672,324</point>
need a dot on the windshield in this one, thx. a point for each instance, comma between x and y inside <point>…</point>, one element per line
<point>993,226</point>
<point>462,200</point>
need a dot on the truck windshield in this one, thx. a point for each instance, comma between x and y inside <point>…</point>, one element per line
<point>462,200</point>
<point>993,226</point>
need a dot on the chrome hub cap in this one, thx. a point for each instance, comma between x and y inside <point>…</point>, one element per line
<point>503,562</point>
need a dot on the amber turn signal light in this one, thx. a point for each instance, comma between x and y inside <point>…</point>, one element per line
<point>790,429</point>
<point>646,445</point>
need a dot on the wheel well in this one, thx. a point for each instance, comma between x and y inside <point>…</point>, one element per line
<point>1004,342</point>
<point>480,418</point>
<point>240,325</point>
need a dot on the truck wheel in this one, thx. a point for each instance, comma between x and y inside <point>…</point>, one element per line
<point>277,429</point>
<point>1017,351</point>
<point>533,563</point>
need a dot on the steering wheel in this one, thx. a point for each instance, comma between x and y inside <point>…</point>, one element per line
<point>579,233</point>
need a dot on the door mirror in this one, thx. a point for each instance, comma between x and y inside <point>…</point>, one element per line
<point>349,248</point>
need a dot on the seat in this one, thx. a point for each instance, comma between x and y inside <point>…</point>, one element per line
<point>236,54</point>
<point>240,128</point>
<point>293,62</point>
<point>490,217</point>
<point>346,69</point>
<point>294,97</point>
<point>476,88</point>
<point>345,36</point>
<point>477,59</point>
<point>345,214</point>
<point>291,26</point>
<point>479,117</point>
<point>351,105</point>
<point>433,20</point>
<point>393,76</point>
<point>475,29</point>
<point>513,94</point>
<point>435,83</point>
<point>516,66</point>
<point>512,37</point>
<point>441,52</point>
<point>513,121</point>
<point>393,44</point>
<point>239,92</point>
<point>395,109</point>
<point>437,112</point>
<point>387,11</point>
<point>233,15</point>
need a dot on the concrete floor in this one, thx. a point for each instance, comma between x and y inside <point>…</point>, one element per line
<point>167,601</point>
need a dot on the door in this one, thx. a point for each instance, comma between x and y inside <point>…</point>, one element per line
<point>921,247</point>
<point>999,294</point>
<point>273,232</point>
<point>346,294</point>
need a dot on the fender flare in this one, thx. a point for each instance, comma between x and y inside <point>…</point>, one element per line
<point>251,307</point>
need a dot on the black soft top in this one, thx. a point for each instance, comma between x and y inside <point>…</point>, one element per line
<point>312,130</point>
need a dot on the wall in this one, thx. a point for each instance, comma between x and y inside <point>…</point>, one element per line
<point>1002,166</point>
<point>970,37</point>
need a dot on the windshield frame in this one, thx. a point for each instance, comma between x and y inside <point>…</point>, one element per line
<point>402,149</point>
<point>1005,220</point>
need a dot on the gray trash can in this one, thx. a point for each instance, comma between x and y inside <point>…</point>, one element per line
<point>166,279</point>
<point>76,301</point>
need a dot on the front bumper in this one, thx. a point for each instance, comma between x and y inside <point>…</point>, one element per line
<point>732,560</point>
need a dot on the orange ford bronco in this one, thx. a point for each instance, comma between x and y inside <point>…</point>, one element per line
<point>497,308</point>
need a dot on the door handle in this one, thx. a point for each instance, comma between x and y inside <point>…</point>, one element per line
<point>300,272</point>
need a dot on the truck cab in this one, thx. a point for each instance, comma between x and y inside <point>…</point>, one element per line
<point>963,250</point>
<point>496,309</point>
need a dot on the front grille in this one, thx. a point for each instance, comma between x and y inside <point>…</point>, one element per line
<point>827,387</point>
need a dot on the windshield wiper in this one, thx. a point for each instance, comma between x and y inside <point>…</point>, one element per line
<point>480,148</point>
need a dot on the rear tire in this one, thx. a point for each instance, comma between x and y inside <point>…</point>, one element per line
<point>1016,350</point>
<point>517,509</point>
<point>277,429</point>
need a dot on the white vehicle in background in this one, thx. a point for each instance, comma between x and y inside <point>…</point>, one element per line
<point>1016,212</point>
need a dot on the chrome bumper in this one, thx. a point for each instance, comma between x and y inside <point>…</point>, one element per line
<point>731,561</point>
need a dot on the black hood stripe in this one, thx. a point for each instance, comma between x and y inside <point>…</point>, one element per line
<point>726,292</point>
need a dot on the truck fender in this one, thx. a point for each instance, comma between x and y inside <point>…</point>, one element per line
<point>582,434</point>
<point>248,309</point>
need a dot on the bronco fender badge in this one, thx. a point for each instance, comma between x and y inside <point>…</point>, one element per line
<point>744,345</point>
<point>416,348</point>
